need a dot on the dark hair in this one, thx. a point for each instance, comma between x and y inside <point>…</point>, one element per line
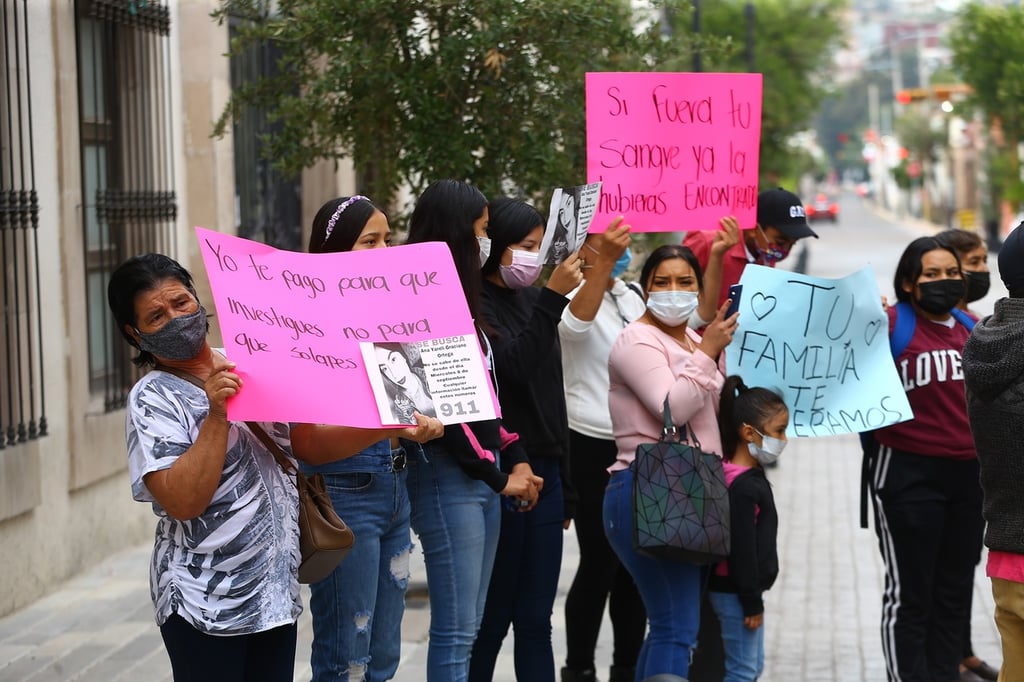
<point>132,277</point>
<point>511,220</point>
<point>740,405</point>
<point>668,252</point>
<point>909,268</point>
<point>961,241</point>
<point>445,212</point>
<point>347,228</point>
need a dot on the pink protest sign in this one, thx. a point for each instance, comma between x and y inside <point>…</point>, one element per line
<point>361,339</point>
<point>674,151</point>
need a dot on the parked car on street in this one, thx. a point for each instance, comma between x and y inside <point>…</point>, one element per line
<point>822,208</point>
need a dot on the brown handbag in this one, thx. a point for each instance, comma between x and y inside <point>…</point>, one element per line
<point>324,538</point>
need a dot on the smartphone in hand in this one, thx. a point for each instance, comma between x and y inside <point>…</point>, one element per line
<point>734,294</point>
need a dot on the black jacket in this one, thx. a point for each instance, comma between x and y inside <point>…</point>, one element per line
<point>528,365</point>
<point>754,524</point>
<point>993,364</point>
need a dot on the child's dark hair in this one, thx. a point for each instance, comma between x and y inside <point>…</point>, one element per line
<point>740,405</point>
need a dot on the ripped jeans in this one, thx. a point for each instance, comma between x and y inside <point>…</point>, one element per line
<point>458,520</point>
<point>357,610</point>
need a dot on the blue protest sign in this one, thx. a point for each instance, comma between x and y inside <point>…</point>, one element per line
<point>824,345</point>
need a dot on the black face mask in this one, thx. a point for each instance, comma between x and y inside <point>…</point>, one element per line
<point>940,296</point>
<point>977,286</point>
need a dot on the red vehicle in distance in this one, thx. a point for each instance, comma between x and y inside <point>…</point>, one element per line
<point>822,209</point>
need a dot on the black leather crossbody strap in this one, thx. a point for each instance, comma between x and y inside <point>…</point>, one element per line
<point>257,430</point>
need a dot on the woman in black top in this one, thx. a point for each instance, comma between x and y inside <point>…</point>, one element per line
<point>528,363</point>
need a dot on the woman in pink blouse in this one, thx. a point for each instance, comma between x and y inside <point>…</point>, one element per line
<point>655,356</point>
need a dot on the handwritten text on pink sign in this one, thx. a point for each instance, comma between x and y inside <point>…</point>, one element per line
<point>674,151</point>
<point>293,322</point>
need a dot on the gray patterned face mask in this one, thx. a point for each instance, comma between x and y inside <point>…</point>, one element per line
<point>180,339</point>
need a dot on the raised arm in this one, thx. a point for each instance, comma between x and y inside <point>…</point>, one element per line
<point>322,443</point>
<point>185,489</point>
<point>726,238</point>
<point>599,253</point>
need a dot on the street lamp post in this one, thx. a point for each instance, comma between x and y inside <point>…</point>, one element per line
<point>696,36</point>
<point>748,11</point>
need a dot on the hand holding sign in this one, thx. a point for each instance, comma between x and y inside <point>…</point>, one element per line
<point>222,384</point>
<point>615,239</point>
<point>427,428</point>
<point>567,275</point>
<point>726,237</point>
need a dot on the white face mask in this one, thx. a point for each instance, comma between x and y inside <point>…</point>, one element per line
<point>769,450</point>
<point>672,308</point>
<point>485,249</point>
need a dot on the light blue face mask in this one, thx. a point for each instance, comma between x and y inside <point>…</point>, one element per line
<point>622,263</point>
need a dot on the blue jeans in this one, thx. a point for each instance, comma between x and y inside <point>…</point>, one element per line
<point>671,590</point>
<point>357,610</point>
<point>457,520</point>
<point>744,648</point>
<point>524,584</point>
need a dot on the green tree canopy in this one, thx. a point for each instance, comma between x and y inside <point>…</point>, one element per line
<point>493,90</point>
<point>989,55</point>
<point>793,45</point>
<point>413,90</point>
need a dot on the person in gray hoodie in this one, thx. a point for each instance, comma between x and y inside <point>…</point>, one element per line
<point>993,365</point>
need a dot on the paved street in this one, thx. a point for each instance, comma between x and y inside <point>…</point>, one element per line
<point>821,616</point>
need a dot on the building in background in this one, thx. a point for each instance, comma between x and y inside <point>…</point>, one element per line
<point>106,112</point>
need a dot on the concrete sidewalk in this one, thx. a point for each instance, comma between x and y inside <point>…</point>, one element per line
<point>821,617</point>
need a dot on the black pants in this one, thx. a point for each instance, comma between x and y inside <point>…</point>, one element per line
<point>524,584</point>
<point>929,526</point>
<point>599,577</point>
<point>267,656</point>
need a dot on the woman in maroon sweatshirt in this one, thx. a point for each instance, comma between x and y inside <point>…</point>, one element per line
<point>925,479</point>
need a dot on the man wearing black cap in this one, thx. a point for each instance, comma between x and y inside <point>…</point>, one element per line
<point>993,365</point>
<point>780,223</point>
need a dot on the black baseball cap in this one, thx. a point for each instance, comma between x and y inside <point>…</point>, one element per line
<point>783,210</point>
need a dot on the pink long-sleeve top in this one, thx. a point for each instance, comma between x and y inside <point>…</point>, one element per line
<point>645,365</point>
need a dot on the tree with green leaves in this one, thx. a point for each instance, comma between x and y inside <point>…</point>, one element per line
<point>413,90</point>
<point>793,45</point>
<point>493,90</point>
<point>989,55</point>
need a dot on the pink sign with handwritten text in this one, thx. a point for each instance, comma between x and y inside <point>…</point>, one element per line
<point>298,326</point>
<point>674,151</point>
